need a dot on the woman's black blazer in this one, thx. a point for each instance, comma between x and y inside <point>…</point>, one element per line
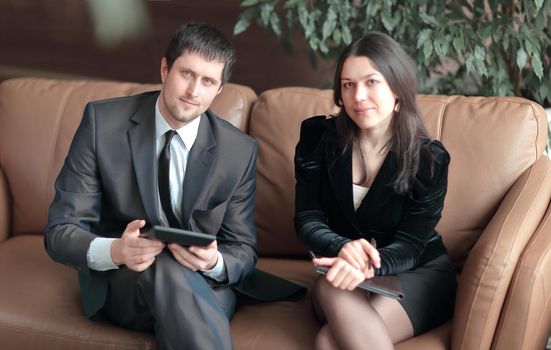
<point>402,224</point>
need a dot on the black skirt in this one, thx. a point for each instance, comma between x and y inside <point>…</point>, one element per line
<point>429,293</point>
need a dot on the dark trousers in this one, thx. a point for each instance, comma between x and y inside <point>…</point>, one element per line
<point>174,302</point>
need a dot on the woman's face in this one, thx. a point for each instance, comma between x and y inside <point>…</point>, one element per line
<point>365,94</point>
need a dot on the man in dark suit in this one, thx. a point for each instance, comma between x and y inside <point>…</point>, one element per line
<point>161,158</point>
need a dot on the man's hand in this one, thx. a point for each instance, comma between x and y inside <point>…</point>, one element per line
<point>135,252</point>
<point>361,255</point>
<point>341,273</point>
<point>196,258</point>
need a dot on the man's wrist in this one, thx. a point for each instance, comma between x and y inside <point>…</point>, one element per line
<point>215,261</point>
<point>99,254</point>
<point>114,252</point>
<point>218,271</point>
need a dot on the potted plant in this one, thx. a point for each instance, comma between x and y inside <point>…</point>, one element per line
<point>468,47</point>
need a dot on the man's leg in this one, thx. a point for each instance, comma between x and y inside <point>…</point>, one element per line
<point>185,311</point>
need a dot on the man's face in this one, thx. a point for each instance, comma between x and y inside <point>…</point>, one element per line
<point>188,87</point>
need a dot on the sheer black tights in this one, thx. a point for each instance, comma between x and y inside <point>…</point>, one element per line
<point>358,319</point>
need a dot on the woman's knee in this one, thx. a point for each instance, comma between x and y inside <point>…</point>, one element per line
<point>325,339</point>
<point>328,297</point>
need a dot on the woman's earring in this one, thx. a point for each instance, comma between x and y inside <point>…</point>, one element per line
<point>397,107</point>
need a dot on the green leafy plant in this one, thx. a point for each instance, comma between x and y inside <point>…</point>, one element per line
<point>471,47</point>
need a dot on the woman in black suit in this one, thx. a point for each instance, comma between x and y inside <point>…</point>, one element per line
<point>370,174</point>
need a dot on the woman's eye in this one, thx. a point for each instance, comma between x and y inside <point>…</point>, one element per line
<point>372,82</point>
<point>347,85</point>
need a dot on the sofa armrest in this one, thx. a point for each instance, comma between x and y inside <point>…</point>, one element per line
<point>489,268</point>
<point>525,321</point>
<point>4,207</point>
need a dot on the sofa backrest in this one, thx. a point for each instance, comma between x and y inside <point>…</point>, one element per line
<point>275,125</point>
<point>38,119</point>
<point>491,140</point>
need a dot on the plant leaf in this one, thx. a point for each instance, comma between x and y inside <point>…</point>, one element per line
<point>530,49</point>
<point>540,21</point>
<point>537,66</point>
<point>386,18</point>
<point>481,67</point>
<point>372,8</point>
<point>479,52</point>
<point>441,46</point>
<point>246,3</point>
<point>303,17</point>
<point>427,49</point>
<point>323,48</point>
<point>329,24</point>
<point>545,92</point>
<point>428,19</point>
<point>469,63</point>
<point>459,45</point>
<point>337,36</point>
<point>274,23</point>
<point>486,31</point>
<point>506,41</point>
<point>423,37</point>
<point>521,58</point>
<point>241,25</point>
<point>346,35</point>
<point>313,43</point>
<point>265,12</point>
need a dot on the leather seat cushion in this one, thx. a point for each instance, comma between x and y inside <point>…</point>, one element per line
<point>40,308</point>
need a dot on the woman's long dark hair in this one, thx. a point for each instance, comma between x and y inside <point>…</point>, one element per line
<point>408,129</point>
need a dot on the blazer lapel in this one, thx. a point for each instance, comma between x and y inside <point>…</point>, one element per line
<point>142,146</point>
<point>340,175</point>
<point>199,166</point>
<point>381,189</point>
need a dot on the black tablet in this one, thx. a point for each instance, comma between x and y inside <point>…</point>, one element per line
<point>388,286</point>
<point>175,235</point>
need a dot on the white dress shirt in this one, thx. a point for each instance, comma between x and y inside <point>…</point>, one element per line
<point>99,253</point>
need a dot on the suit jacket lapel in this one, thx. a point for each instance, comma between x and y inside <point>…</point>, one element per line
<point>340,176</point>
<point>142,146</point>
<point>200,163</point>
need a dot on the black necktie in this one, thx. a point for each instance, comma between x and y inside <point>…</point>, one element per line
<point>164,181</point>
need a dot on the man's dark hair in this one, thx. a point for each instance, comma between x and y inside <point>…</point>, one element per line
<point>205,40</point>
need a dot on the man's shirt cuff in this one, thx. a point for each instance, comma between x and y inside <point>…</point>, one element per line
<point>99,254</point>
<point>218,272</point>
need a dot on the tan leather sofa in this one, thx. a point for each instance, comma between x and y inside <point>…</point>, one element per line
<point>496,222</point>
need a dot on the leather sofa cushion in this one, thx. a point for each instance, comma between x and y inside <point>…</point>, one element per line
<point>40,308</point>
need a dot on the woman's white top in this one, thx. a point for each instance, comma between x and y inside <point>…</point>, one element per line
<point>358,193</point>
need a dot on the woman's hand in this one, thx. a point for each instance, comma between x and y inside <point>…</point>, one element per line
<point>341,274</point>
<point>362,255</point>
